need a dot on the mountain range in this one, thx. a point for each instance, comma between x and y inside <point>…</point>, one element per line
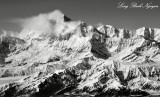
<point>66,57</point>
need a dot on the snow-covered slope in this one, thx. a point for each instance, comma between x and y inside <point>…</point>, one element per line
<point>62,56</point>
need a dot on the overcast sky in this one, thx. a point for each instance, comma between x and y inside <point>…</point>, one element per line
<point>90,11</point>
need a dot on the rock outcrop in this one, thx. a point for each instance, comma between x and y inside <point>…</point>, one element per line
<point>78,59</point>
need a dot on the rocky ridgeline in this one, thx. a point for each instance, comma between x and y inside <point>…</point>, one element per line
<point>79,59</point>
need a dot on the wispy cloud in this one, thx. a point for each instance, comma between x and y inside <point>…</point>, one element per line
<point>42,23</point>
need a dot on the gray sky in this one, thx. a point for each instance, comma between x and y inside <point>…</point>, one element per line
<point>89,11</point>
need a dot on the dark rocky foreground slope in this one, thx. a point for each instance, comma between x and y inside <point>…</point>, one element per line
<point>78,59</point>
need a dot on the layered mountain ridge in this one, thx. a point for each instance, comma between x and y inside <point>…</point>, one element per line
<point>72,58</point>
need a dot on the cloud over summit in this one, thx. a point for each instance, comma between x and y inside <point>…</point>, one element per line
<point>42,22</point>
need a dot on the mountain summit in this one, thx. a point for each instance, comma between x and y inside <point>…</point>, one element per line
<point>59,56</point>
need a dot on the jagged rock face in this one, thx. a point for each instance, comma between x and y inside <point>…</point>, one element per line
<point>111,32</point>
<point>76,58</point>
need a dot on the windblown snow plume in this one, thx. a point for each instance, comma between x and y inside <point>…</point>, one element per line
<point>49,24</point>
